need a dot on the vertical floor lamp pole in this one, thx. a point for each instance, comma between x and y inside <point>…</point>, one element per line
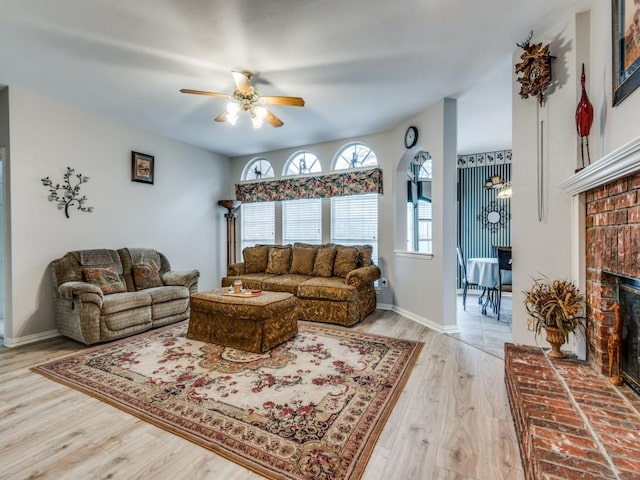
<point>230,205</point>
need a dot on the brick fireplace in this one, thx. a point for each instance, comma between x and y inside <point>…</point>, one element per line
<point>612,248</point>
<point>570,420</point>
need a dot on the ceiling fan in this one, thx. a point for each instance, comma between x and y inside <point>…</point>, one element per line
<point>247,98</point>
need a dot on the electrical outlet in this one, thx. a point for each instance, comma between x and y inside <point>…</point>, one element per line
<point>530,324</point>
<point>384,282</point>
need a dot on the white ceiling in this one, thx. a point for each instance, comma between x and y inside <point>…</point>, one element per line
<point>363,66</point>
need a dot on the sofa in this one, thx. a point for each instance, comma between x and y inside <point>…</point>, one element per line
<point>102,295</point>
<point>332,283</point>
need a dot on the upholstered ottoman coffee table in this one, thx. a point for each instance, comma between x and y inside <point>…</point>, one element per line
<point>252,323</point>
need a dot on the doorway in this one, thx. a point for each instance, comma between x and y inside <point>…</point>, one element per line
<point>484,222</point>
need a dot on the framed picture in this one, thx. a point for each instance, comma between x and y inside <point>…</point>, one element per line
<point>141,167</point>
<point>625,17</point>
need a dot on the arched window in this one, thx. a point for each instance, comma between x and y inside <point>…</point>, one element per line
<point>257,169</point>
<point>257,220</point>
<point>354,155</point>
<point>354,219</point>
<point>302,163</point>
<point>419,226</point>
<point>302,219</point>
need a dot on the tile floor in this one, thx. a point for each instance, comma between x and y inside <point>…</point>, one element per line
<point>484,331</point>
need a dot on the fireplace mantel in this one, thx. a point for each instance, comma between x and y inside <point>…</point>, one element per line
<point>621,162</point>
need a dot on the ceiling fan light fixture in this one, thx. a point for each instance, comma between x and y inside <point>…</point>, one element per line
<point>257,123</point>
<point>506,191</point>
<point>245,98</point>
<point>233,111</point>
<point>258,114</point>
<point>233,108</point>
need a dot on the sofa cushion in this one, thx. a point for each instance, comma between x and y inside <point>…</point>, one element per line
<point>346,260</point>
<point>365,255</point>
<point>106,279</point>
<point>302,261</point>
<point>255,259</point>
<point>332,288</point>
<point>285,283</point>
<point>306,245</point>
<point>120,302</point>
<point>167,294</point>
<point>168,301</point>
<point>146,276</point>
<point>323,264</point>
<point>279,260</point>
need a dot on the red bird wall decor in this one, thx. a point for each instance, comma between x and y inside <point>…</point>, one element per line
<point>584,119</point>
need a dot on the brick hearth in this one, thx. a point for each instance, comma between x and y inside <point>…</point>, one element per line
<point>570,421</point>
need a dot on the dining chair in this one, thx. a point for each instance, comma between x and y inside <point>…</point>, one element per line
<point>465,279</point>
<point>504,264</point>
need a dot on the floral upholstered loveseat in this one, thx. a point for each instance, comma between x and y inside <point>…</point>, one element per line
<point>332,283</point>
<point>101,295</point>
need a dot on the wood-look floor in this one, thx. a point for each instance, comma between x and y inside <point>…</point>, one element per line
<point>452,421</point>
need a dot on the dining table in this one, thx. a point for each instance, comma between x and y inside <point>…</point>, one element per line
<point>484,272</point>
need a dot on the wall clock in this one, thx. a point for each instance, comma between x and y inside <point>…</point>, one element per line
<point>535,68</point>
<point>411,136</point>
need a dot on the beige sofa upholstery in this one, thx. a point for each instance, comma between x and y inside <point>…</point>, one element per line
<point>332,283</point>
<point>101,295</point>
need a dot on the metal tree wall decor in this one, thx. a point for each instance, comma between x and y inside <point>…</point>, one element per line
<point>68,194</point>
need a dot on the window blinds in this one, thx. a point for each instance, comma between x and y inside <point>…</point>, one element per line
<point>354,221</point>
<point>302,221</point>
<point>257,224</point>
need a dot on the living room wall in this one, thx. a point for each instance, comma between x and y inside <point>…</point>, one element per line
<point>545,246</point>
<point>178,215</point>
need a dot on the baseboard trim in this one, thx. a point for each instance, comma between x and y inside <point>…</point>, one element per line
<point>425,322</point>
<point>36,337</point>
<point>384,306</point>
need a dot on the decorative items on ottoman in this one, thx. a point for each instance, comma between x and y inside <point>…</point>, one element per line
<point>252,323</point>
<point>101,295</point>
<point>332,283</point>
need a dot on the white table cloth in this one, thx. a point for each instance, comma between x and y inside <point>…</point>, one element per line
<point>483,271</point>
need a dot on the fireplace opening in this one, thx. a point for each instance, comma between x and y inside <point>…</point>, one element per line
<point>629,301</point>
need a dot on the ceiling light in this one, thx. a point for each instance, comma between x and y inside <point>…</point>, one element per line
<point>505,191</point>
<point>233,109</point>
<point>258,114</point>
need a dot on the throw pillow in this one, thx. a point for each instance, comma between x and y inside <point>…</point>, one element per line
<point>323,264</point>
<point>146,276</point>
<point>365,255</point>
<point>302,262</point>
<point>346,260</point>
<point>306,245</point>
<point>106,279</point>
<point>255,259</point>
<point>279,262</point>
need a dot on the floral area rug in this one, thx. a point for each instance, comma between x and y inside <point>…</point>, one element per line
<point>312,407</point>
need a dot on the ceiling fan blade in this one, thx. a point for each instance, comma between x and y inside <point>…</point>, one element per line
<point>289,101</point>
<point>202,92</point>
<point>222,117</point>
<point>273,120</point>
<point>242,81</point>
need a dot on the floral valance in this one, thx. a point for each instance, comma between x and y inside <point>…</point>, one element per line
<point>351,182</point>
